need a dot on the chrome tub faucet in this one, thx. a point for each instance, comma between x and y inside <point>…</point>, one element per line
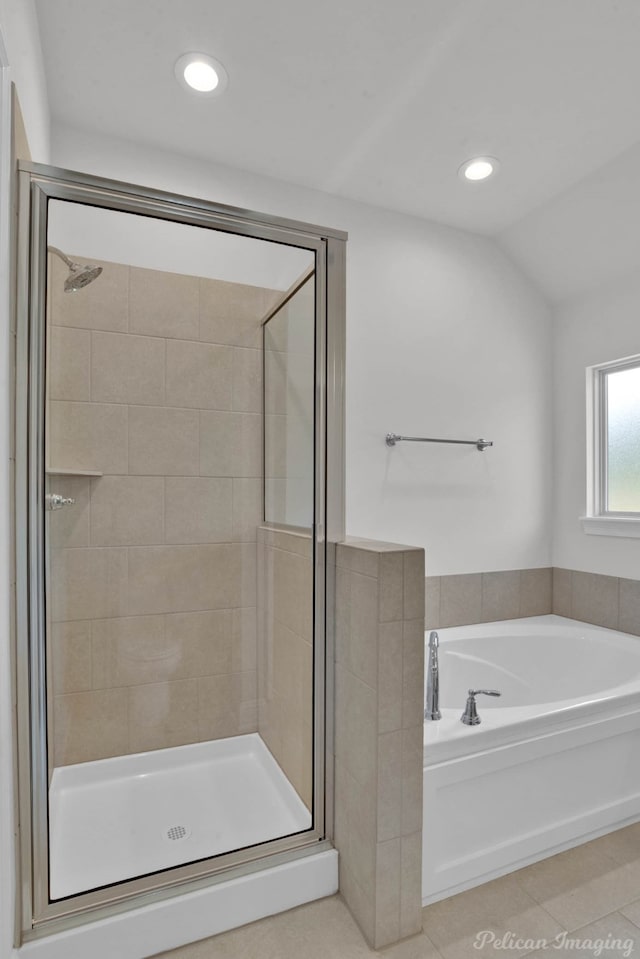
<point>470,715</point>
<point>432,705</point>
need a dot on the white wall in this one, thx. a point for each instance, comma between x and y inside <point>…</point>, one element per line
<point>448,341</point>
<point>584,238</point>
<point>582,250</point>
<point>444,338</point>
<point>21,36</point>
<point>593,329</point>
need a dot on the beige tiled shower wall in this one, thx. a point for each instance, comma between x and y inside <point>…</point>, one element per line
<point>285,653</point>
<point>155,382</point>
<point>378,735</point>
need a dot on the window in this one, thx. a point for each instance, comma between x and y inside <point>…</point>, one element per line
<point>613,506</point>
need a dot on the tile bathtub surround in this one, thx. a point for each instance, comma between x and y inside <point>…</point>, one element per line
<point>512,594</point>
<point>378,735</point>
<point>602,600</point>
<point>154,381</point>
<point>285,653</point>
<point>465,599</point>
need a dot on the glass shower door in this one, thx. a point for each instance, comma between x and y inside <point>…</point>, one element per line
<point>180,640</point>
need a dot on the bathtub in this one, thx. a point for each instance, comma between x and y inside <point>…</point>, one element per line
<point>555,760</point>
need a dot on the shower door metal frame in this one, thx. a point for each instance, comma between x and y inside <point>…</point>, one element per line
<point>38,184</point>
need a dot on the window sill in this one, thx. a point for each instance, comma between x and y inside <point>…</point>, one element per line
<point>611,526</point>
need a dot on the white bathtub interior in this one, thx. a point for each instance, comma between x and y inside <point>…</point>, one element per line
<point>553,762</point>
<point>129,816</point>
<point>568,660</point>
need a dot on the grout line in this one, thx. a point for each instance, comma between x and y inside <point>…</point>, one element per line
<point>128,718</point>
<point>166,362</point>
<point>90,497</point>
<point>520,603</point>
<point>164,407</point>
<point>93,665</point>
<point>114,546</point>
<point>159,335</point>
<point>221,476</point>
<point>128,409</point>
<point>233,380</point>
<point>90,366</point>
<point>128,310</point>
<point>571,604</point>
<point>632,903</point>
<point>164,510</point>
<point>199,287</point>
<point>618,604</point>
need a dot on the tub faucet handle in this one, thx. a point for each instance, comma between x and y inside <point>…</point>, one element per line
<point>470,715</point>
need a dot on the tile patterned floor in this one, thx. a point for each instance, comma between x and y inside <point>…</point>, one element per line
<point>588,893</point>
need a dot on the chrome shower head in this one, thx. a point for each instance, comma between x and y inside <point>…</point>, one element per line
<point>79,275</point>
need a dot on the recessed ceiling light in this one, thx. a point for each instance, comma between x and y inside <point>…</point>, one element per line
<point>201,74</point>
<point>478,168</point>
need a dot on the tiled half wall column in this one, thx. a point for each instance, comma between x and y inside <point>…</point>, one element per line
<point>379,735</point>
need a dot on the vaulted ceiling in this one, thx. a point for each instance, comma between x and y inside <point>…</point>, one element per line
<point>377,101</point>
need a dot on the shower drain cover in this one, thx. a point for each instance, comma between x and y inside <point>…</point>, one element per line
<point>177,832</point>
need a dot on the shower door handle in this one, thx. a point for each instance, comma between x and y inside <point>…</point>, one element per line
<point>56,501</point>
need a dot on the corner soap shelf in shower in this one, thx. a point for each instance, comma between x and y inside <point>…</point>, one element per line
<point>72,472</point>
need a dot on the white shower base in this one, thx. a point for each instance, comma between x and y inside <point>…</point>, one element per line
<point>116,819</point>
<point>178,920</point>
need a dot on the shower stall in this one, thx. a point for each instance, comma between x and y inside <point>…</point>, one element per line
<point>179,487</point>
